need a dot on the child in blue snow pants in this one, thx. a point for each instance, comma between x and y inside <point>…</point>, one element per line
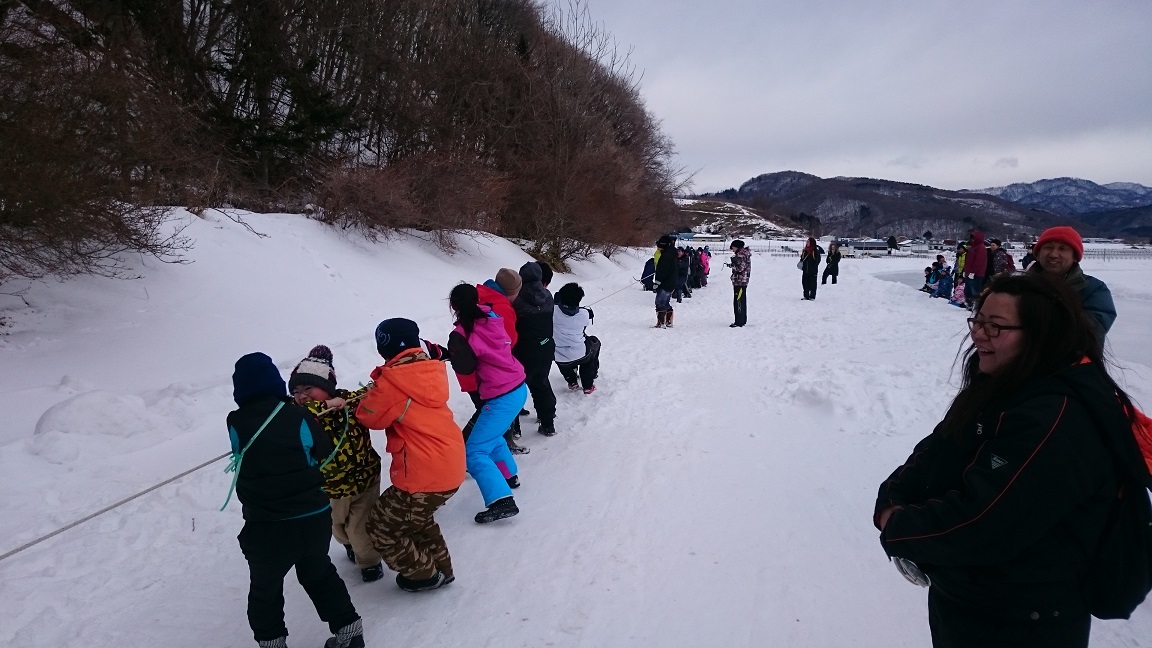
<point>489,461</point>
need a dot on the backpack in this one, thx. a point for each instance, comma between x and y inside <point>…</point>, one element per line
<point>1120,571</point>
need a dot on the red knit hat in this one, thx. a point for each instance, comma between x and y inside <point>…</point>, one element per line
<point>1065,235</point>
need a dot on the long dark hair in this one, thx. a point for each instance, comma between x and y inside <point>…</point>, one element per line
<point>1057,334</point>
<point>464,300</point>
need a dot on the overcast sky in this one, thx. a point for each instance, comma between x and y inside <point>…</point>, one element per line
<point>953,94</point>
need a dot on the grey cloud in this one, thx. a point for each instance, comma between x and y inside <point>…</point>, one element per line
<point>908,90</point>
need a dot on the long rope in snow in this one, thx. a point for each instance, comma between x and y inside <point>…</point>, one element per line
<point>630,284</point>
<point>104,510</point>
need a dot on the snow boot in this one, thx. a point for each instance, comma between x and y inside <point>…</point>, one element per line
<point>547,428</point>
<point>661,319</point>
<point>278,642</point>
<point>668,322</point>
<point>514,481</point>
<point>350,636</point>
<point>505,507</point>
<point>590,390</point>
<point>437,581</point>
<point>351,554</point>
<point>517,449</point>
<point>524,412</point>
<point>372,574</point>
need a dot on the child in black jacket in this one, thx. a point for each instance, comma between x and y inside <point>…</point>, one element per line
<point>277,449</point>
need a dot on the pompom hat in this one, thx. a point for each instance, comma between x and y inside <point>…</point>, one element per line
<point>1065,235</point>
<point>315,370</point>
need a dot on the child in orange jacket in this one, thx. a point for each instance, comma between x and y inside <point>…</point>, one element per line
<point>409,400</point>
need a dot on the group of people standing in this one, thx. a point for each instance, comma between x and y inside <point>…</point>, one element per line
<point>307,470</point>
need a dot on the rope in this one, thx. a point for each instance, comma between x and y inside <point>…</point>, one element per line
<point>630,284</point>
<point>104,510</point>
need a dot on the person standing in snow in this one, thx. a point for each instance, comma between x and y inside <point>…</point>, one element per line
<point>497,294</point>
<point>741,273</point>
<point>666,276</point>
<point>352,474</point>
<point>408,399</point>
<point>277,449</point>
<point>535,348</point>
<point>975,267</point>
<point>480,346</point>
<point>705,266</point>
<point>1000,509</point>
<point>1058,254</point>
<point>577,354</point>
<point>832,265</point>
<point>810,267</point>
<point>647,278</point>
<point>683,270</point>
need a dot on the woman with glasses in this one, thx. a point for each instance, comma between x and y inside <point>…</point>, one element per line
<point>1000,508</point>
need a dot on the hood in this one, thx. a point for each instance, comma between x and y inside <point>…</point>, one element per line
<point>492,286</point>
<point>568,310</point>
<point>530,272</point>
<point>978,238</point>
<point>424,381</point>
<point>1083,382</point>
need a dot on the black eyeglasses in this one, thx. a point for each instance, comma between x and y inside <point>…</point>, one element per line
<point>991,329</point>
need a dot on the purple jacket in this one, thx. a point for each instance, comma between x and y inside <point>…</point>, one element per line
<point>487,351</point>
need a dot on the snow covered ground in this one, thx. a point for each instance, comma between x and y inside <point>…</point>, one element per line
<point>715,491</point>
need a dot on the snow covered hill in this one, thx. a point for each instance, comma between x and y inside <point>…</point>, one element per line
<point>716,490</point>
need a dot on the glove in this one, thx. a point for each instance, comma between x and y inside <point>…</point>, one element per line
<point>911,572</point>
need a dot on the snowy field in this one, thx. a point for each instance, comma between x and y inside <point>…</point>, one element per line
<point>716,490</point>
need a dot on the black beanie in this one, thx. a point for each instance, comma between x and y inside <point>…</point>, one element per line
<point>396,335</point>
<point>256,377</point>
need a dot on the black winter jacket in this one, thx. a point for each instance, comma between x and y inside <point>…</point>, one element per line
<point>1005,516</point>
<point>280,475</point>
<point>667,270</point>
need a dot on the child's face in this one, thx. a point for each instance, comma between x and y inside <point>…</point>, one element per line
<point>304,393</point>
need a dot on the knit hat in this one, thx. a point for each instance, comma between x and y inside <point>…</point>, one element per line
<point>315,370</point>
<point>1065,235</point>
<point>396,335</point>
<point>509,281</point>
<point>738,244</point>
<point>570,294</point>
<point>256,377</point>
<point>665,241</point>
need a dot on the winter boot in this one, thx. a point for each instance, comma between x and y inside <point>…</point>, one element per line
<point>372,573</point>
<point>278,642</point>
<point>514,481</point>
<point>437,581</point>
<point>547,428</point>
<point>517,449</point>
<point>351,554</point>
<point>573,386</point>
<point>668,322</point>
<point>591,388</point>
<point>350,636</point>
<point>505,507</point>
<point>661,319</point>
<point>524,412</point>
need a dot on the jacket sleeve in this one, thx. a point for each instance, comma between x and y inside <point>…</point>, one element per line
<point>461,354</point>
<point>1026,478</point>
<point>373,410</point>
<point>312,436</point>
<point>1097,300</point>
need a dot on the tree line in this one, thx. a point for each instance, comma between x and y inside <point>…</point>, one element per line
<point>437,115</point>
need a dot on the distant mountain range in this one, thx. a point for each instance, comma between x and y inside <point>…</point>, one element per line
<point>871,207</point>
